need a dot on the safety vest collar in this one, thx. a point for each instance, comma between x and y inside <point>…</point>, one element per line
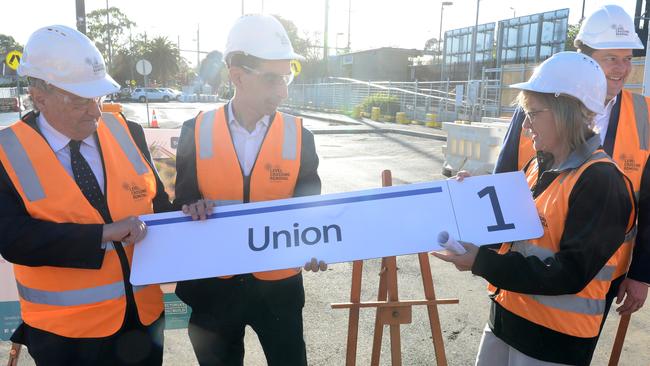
<point>582,154</point>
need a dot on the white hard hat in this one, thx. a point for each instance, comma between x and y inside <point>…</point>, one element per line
<point>570,73</point>
<point>261,36</point>
<point>609,27</point>
<point>67,59</point>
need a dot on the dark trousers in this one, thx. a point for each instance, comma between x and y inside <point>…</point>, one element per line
<point>272,308</point>
<point>133,344</point>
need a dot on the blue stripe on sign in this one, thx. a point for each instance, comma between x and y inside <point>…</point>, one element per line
<point>296,206</point>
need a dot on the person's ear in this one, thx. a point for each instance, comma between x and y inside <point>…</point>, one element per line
<point>38,97</point>
<point>236,76</point>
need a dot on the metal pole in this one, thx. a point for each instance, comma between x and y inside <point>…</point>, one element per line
<point>197,47</point>
<point>582,17</point>
<point>242,7</point>
<point>325,48</point>
<point>646,73</point>
<point>349,18</point>
<point>81,16</point>
<point>473,55</point>
<point>108,35</point>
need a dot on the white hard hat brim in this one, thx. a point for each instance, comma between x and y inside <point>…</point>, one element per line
<point>637,45</point>
<point>533,87</point>
<point>91,89</point>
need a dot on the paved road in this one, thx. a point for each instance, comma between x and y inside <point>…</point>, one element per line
<point>355,161</point>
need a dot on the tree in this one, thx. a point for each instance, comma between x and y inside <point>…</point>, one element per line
<point>8,44</point>
<point>301,45</point>
<point>164,57</point>
<point>571,36</point>
<point>210,70</point>
<point>99,30</point>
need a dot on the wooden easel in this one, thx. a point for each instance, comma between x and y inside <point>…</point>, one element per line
<point>390,310</point>
<point>617,348</point>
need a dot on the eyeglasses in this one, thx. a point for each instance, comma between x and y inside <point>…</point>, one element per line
<point>531,114</point>
<point>75,101</point>
<point>271,78</point>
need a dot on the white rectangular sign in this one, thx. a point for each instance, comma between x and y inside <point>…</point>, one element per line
<point>334,228</point>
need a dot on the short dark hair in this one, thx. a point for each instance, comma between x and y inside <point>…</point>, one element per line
<point>241,59</point>
<point>583,48</point>
<point>38,83</point>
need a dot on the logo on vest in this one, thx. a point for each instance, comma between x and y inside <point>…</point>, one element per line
<point>276,174</point>
<point>542,219</point>
<point>629,164</point>
<point>137,193</point>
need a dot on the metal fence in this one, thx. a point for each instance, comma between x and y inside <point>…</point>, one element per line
<point>416,99</point>
<point>8,92</point>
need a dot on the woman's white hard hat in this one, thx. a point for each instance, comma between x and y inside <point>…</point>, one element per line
<point>570,73</point>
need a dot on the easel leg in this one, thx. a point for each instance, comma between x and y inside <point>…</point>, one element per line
<point>434,319</point>
<point>395,341</point>
<point>379,328</point>
<point>617,348</point>
<point>353,322</point>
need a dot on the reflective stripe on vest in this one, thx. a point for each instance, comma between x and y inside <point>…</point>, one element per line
<point>21,164</point>
<point>274,173</point>
<point>74,297</point>
<point>641,118</point>
<point>122,137</point>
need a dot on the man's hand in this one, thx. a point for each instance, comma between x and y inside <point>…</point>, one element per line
<point>130,230</point>
<point>634,292</point>
<point>199,210</point>
<point>315,265</point>
<point>463,262</point>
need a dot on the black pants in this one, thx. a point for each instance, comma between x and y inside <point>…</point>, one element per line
<point>272,308</point>
<point>133,344</point>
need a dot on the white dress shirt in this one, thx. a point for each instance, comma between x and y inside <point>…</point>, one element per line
<point>601,121</point>
<point>59,144</point>
<point>247,144</point>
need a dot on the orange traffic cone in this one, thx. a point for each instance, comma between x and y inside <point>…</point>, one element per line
<point>154,120</point>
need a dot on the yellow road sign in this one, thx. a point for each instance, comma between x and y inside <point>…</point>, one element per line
<point>296,67</point>
<point>13,59</point>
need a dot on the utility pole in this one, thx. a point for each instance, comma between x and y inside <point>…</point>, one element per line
<point>197,46</point>
<point>472,59</point>
<point>242,7</point>
<point>108,35</point>
<point>349,18</point>
<point>81,15</point>
<point>325,48</point>
<point>582,17</point>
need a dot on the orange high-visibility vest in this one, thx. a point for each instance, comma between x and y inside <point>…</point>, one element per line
<point>578,315</point>
<point>631,151</point>
<point>273,176</point>
<point>71,302</point>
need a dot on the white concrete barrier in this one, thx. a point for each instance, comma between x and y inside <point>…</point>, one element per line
<point>473,147</point>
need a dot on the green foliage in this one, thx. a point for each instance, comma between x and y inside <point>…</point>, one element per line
<point>98,30</point>
<point>7,44</point>
<point>572,32</point>
<point>388,104</point>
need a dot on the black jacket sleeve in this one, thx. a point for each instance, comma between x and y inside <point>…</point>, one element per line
<point>187,187</point>
<point>508,158</point>
<point>640,267</point>
<point>597,218</point>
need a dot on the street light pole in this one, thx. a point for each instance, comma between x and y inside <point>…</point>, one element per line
<point>440,43</point>
<point>582,17</point>
<point>325,47</point>
<point>349,18</point>
<point>108,32</point>
<point>198,53</point>
<point>472,59</point>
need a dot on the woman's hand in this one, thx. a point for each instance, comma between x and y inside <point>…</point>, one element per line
<point>463,262</point>
<point>462,174</point>
<point>199,210</point>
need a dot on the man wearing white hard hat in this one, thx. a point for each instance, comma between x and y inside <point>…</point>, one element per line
<point>608,36</point>
<point>548,294</point>
<point>244,152</point>
<point>72,182</point>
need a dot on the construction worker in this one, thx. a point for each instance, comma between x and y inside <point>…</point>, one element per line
<point>548,294</point>
<point>243,152</point>
<point>72,181</point>
<point>608,36</point>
